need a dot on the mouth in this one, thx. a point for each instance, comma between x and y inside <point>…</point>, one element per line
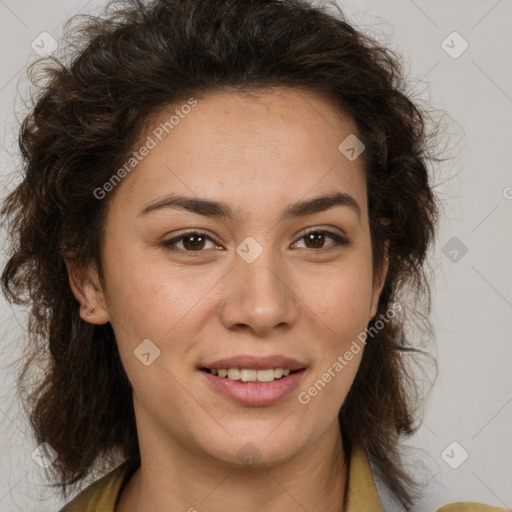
<point>250,375</point>
<point>251,387</point>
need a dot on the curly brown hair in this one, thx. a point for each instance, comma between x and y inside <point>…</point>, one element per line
<point>123,68</point>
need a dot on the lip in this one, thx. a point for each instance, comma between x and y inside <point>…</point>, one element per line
<point>254,394</point>
<point>256,363</point>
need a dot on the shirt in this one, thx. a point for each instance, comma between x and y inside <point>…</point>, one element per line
<point>362,496</point>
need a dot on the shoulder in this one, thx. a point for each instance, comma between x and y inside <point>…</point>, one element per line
<point>467,506</point>
<point>102,495</point>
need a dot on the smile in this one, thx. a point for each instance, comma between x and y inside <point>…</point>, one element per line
<point>252,391</point>
<point>251,375</point>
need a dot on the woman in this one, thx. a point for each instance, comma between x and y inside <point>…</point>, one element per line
<point>222,206</point>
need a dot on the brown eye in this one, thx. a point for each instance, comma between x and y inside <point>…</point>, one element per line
<point>194,242</point>
<point>189,242</point>
<point>317,239</point>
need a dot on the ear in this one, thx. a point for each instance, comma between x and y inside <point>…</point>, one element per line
<point>86,287</point>
<point>379,279</point>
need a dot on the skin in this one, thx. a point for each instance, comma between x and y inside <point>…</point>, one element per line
<point>308,300</point>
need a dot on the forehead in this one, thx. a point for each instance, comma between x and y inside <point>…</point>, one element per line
<point>252,149</point>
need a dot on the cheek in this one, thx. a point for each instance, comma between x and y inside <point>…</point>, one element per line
<point>168,307</point>
<point>341,314</point>
<point>340,300</point>
<point>144,296</point>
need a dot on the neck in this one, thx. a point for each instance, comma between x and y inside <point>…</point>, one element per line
<point>315,480</point>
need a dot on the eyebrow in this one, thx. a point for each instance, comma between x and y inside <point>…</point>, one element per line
<point>210,208</point>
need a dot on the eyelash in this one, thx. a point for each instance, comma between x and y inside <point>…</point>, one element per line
<point>169,244</point>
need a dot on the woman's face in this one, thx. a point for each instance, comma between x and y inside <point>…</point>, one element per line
<point>229,271</point>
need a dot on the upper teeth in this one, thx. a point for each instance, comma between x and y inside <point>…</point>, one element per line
<point>248,375</point>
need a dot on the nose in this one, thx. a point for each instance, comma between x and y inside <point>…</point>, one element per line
<point>258,297</point>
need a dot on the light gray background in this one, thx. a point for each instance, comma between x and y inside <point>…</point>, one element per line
<point>471,402</point>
